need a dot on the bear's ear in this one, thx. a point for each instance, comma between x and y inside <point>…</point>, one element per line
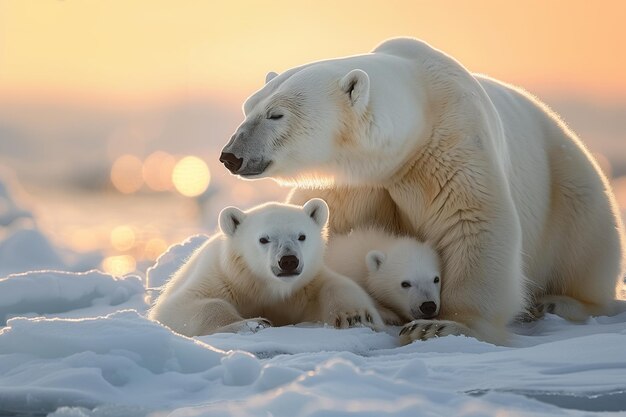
<point>374,259</point>
<point>230,219</point>
<point>317,209</point>
<point>270,76</point>
<point>356,84</point>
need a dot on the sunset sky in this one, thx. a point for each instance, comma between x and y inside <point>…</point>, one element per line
<point>143,94</point>
<point>142,50</point>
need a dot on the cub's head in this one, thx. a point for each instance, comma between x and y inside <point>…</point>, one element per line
<point>302,127</point>
<point>407,278</point>
<point>281,244</point>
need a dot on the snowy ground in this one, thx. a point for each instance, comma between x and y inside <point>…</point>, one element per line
<point>78,344</point>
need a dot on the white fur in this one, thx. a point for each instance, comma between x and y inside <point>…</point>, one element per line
<point>380,263</point>
<point>235,282</point>
<point>513,202</point>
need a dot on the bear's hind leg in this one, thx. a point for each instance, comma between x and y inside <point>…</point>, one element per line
<point>563,306</point>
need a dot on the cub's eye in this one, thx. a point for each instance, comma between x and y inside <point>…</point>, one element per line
<point>436,280</point>
<point>405,284</point>
<point>264,241</point>
<point>275,116</point>
<point>302,238</point>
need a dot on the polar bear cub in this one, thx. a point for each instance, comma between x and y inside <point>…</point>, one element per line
<point>265,268</point>
<point>401,274</point>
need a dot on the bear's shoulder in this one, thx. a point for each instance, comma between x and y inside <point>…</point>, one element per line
<point>403,47</point>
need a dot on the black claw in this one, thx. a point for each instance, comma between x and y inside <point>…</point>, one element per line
<point>349,321</point>
<point>337,322</point>
<point>427,328</point>
<point>357,319</point>
<point>368,318</point>
<point>404,330</point>
<point>440,329</point>
<point>551,308</point>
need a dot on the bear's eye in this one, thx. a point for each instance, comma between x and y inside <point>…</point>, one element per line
<point>275,116</point>
<point>302,238</point>
<point>264,241</point>
<point>405,284</point>
<point>436,280</point>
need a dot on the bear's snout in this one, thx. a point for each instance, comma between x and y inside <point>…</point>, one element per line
<point>288,264</point>
<point>231,162</point>
<point>428,308</point>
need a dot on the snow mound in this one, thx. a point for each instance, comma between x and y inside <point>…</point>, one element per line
<point>121,359</point>
<point>170,261</point>
<point>303,338</point>
<point>23,247</point>
<point>337,387</point>
<point>28,249</point>
<point>10,209</point>
<point>68,294</point>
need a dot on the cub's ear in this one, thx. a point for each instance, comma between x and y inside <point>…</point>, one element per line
<point>270,76</point>
<point>356,84</point>
<point>317,209</point>
<point>230,219</point>
<point>374,259</point>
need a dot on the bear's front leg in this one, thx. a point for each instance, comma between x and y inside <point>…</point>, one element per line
<point>202,316</point>
<point>219,316</point>
<point>479,240</point>
<point>345,304</point>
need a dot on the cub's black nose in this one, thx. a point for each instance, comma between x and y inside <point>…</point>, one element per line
<point>288,263</point>
<point>231,162</point>
<point>428,308</point>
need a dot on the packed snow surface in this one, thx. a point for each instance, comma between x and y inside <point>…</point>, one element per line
<point>79,344</point>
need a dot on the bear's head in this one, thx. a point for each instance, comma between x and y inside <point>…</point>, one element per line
<point>406,278</point>
<point>281,244</point>
<point>325,123</point>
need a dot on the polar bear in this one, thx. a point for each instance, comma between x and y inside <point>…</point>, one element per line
<point>401,274</point>
<point>407,139</point>
<point>265,267</point>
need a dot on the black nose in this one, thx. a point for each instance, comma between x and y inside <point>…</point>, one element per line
<point>428,308</point>
<point>288,263</point>
<point>231,162</point>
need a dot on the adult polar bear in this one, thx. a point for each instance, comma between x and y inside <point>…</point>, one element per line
<point>406,138</point>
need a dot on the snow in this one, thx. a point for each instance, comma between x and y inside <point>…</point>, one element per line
<point>80,345</point>
<point>19,235</point>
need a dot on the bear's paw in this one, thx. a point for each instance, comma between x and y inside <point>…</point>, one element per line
<point>428,329</point>
<point>356,318</point>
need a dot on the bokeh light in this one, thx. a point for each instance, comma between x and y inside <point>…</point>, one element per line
<point>126,174</point>
<point>191,176</point>
<point>157,171</point>
<point>119,265</point>
<point>123,238</point>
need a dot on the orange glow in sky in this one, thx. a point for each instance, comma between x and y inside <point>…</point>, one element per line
<point>152,48</point>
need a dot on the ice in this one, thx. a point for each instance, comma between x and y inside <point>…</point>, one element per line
<point>79,345</point>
